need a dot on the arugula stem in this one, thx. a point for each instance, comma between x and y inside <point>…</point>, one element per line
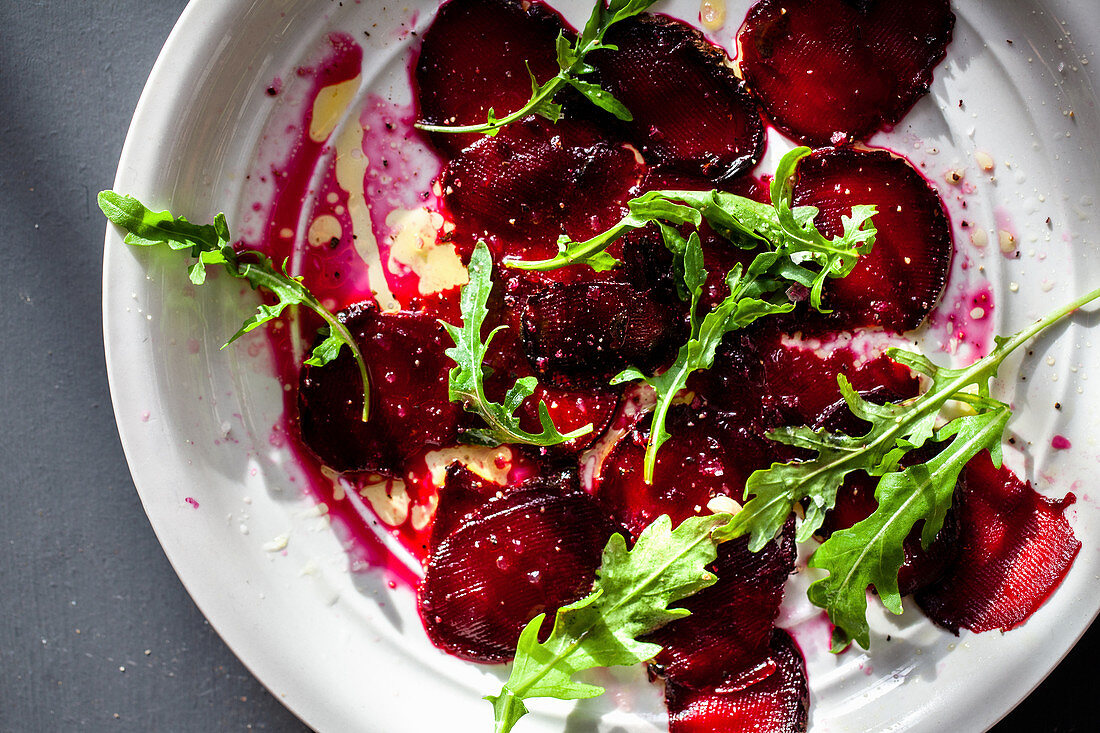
<point>546,92</point>
<point>581,253</point>
<point>1049,320</point>
<point>989,363</point>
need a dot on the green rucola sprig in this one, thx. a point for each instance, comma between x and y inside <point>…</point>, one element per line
<point>210,244</point>
<point>571,70</point>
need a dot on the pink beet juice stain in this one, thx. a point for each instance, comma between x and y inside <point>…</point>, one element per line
<point>963,321</point>
<point>399,172</point>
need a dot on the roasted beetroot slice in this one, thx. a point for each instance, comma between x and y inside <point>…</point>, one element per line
<point>777,703</point>
<point>690,111</point>
<point>537,180</point>
<point>828,71</point>
<point>802,384</point>
<point>410,409</point>
<point>475,56</point>
<point>731,622</point>
<point>709,454</point>
<point>855,501</point>
<point>1015,547</point>
<point>527,552</point>
<point>662,179</point>
<point>570,409</point>
<point>782,382</point>
<point>896,285</point>
<point>462,495</point>
<point>586,333</point>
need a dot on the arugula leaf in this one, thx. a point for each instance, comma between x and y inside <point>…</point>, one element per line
<point>467,379</point>
<point>210,244</point>
<point>737,310</point>
<point>630,598</point>
<point>804,255</point>
<point>871,552</point>
<point>571,67</point>
<point>794,252</point>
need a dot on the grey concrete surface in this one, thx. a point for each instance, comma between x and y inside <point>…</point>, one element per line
<point>96,632</point>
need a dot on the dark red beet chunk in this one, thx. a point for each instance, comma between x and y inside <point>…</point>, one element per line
<point>537,180</point>
<point>410,409</point>
<point>1015,547</point>
<point>586,333</point>
<point>896,285</point>
<point>777,703</point>
<point>690,112</point>
<point>828,71</point>
<point>529,551</point>
<point>473,57</point>
<point>709,454</point>
<point>731,622</point>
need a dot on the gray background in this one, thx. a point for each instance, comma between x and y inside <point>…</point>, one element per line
<point>96,632</point>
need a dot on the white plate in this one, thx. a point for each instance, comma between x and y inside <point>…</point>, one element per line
<point>347,653</point>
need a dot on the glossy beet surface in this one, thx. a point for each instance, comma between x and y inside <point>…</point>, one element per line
<point>569,408</point>
<point>896,285</point>
<point>828,71</point>
<point>586,333</point>
<point>538,180</point>
<point>1015,547</point>
<point>410,409</point>
<point>708,455</point>
<point>774,699</point>
<point>689,110</point>
<point>527,552</point>
<point>774,380</point>
<point>731,622</point>
<point>475,56</point>
<point>463,493</point>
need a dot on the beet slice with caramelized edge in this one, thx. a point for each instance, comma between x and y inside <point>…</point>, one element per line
<point>774,698</point>
<point>586,333</point>
<point>1015,547</point>
<point>709,454</point>
<point>410,409</point>
<point>529,551</point>
<point>898,282</point>
<point>689,110</point>
<point>731,622</point>
<point>828,71</point>
<point>475,56</point>
<point>537,180</point>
